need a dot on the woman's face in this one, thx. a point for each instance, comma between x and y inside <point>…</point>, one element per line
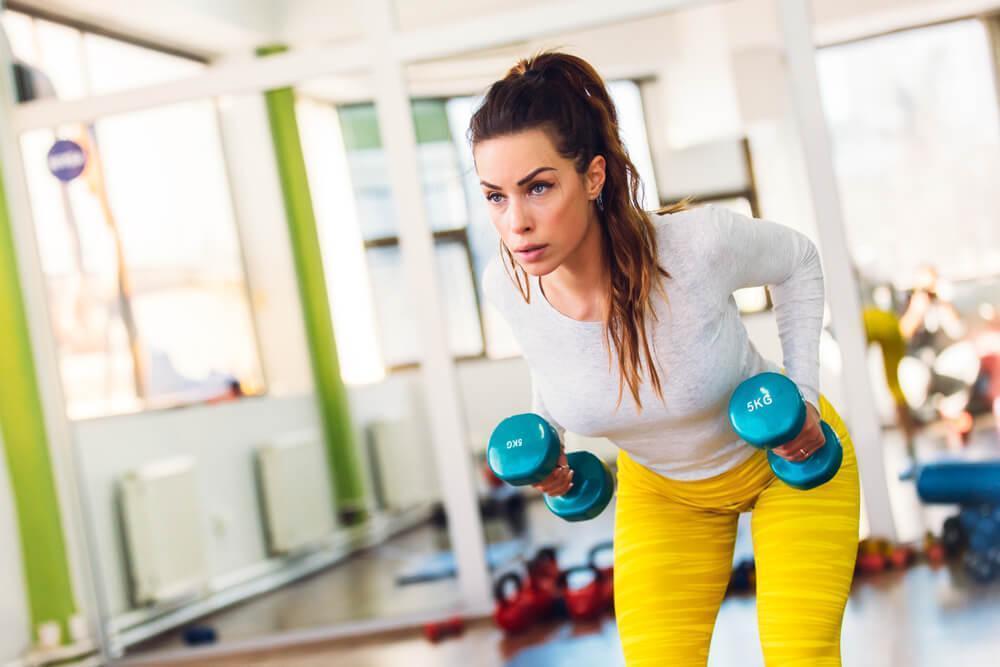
<point>540,205</point>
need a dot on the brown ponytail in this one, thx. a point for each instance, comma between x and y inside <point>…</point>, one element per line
<point>564,96</point>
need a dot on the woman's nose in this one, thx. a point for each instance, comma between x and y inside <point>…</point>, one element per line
<point>518,219</point>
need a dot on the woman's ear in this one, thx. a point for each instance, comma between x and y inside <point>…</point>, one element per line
<point>594,178</point>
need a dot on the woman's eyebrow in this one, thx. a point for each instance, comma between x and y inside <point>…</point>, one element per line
<point>522,181</point>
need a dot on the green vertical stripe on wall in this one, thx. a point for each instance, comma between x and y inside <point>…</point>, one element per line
<point>343,452</point>
<point>43,548</point>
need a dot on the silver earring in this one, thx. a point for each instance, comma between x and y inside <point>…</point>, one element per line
<point>600,200</point>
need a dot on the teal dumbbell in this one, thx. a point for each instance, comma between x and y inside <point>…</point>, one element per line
<point>767,411</point>
<point>524,449</point>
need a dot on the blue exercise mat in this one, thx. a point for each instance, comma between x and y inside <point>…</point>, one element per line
<point>440,565</point>
<point>960,482</point>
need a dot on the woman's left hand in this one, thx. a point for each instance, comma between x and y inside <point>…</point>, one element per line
<point>808,440</point>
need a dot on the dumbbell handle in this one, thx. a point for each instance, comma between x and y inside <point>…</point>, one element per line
<point>525,449</point>
<point>768,411</point>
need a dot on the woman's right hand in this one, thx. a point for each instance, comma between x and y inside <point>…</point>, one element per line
<point>559,481</point>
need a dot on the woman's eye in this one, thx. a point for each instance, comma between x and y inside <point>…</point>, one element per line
<point>494,197</point>
<point>539,188</point>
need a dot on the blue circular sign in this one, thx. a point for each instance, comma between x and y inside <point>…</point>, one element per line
<point>66,160</point>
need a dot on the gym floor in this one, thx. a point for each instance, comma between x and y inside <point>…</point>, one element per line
<point>917,618</point>
<point>922,616</point>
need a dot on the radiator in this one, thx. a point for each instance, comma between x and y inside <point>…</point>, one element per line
<point>163,524</point>
<point>402,463</point>
<point>295,491</point>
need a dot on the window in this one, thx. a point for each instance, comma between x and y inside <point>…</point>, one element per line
<point>744,202</point>
<point>916,136</point>
<point>447,213</point>
<point>145,277</point>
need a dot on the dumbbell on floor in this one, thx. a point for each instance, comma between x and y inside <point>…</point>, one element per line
<point>524,449</point>
<point>767,411</point>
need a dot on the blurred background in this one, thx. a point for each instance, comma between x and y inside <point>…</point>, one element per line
<point>247,373</point>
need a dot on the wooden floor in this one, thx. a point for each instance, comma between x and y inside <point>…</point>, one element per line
<point>920,617</point>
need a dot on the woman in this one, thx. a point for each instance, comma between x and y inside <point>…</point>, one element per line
<point>604,299</point>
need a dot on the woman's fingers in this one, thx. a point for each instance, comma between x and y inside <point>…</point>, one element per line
<point>557,483</point>
<point>806,442</point>
<point>800,449</point>
<point>792,455</point>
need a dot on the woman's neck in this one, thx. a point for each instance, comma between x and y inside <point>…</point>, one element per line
<point>578,287</point>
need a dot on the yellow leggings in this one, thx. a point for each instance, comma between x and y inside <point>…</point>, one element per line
<point>674,550</point>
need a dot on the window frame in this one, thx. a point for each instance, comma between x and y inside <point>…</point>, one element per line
<point>458,236</point>
<point>95,29</point>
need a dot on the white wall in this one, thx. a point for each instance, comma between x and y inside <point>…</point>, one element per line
<point>492,391</point>
<point>15,623</point>
<point>222,438</point>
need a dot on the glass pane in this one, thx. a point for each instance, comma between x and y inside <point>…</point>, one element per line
<point>20,33</point>
<point>632,126</point>
<point>444,199</point>
<point>916,135</point>
<point>60,49</point>
<point>397,320</point>
<point>114,65</point>
<point>374,322</point>
<point>915,129</point>
<point>338,214</point>
<point>298,529</point>
<point>483,240</point>
<point>146,283</point>
<point>79,63</point>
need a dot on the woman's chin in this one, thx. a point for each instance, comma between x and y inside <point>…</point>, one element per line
<point>539,269</point>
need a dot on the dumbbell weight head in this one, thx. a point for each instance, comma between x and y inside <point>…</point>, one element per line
<point>523,449</point>
<point>818,469</point>
<point>767,411</point>
<point>593,487</point>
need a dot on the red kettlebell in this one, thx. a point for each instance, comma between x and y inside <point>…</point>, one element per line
<point>515,612</point>
<point>902,557</point>
<point>587,602</point>
<point>543,579</point>
<point>606,573</point>
<point>871,563</point>
<point>543,568</point>
<point>936,554</point>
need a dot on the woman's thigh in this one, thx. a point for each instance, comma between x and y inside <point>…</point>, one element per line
<point>805,544</point>
<point>672,566</point>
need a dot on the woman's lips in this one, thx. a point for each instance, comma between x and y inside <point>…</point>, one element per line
<point>532,254</point>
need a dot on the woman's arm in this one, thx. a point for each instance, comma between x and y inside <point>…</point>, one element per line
<point>749,253</point>
<point>561,479</point>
